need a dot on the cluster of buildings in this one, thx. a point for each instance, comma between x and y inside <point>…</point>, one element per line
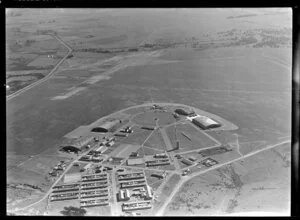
<point>151,160</point>
<point>94,193</point>
<point>95,155</point>
<point>156,107</point>
<point>64,196</point>
<point>158,162</point>
<point>91,157</point>
<point>131,206</point>
<point>208,162</point>
<point>134,188</point>
<point>126,130</point>
<point>201,121</point>
<point>94,202</point>
<point>108,142</point>
<point>92,190</point>
<point>94,177</point>
<point>190,161</point>
<point>123,195</point>
<point>186,172</point>
<point>58,168</point>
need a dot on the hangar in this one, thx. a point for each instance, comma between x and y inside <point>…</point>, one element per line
<point>106,127</point>
<point>205,122</point>
<point>70,149</point>
<point>77,144</point>
<point>181,111</point>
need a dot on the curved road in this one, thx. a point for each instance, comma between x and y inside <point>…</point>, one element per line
<point>49,75</point>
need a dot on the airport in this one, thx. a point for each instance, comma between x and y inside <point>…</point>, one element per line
<point>101,174</point>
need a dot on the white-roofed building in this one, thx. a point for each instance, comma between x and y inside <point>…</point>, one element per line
<point>88,166</point>
<point>205,122</point>
<point>149,194</point>
<point>123,195</point>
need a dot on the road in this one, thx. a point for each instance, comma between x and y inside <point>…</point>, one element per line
<point>210,137</point>
<point>114,206</point>
<point>169,147</point>
<point>49,75</point>
<point>182,181</point>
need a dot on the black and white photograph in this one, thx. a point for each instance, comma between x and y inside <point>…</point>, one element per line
<point>148,111</point>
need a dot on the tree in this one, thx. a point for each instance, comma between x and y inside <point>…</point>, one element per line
<point>73,211</point>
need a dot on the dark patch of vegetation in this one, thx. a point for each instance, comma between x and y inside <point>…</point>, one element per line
<point>246,40</point>
<point>73,211</point>
<point>133,49</point>
<point>285,159</point>
<point>236,178</point>
<point>262,188</point>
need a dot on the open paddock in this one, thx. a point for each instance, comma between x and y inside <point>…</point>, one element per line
<point>222,136</point>
<point>109,40</point>
<point>166,192</point>
<point>248,147</point>
<point>42,61</point>
<point>227,156</point>
<point>194,154</point>
<point>156,184</point>
<point>197,139</point>
<point>136,110</point>
<point>151,151</point>
<point>124,150</point>
<point>75,73</point>
<point>148,118</point>
<point>136,138</point>
<point>156,141</point>
<point>264,177</point>
<point>170,167</point>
